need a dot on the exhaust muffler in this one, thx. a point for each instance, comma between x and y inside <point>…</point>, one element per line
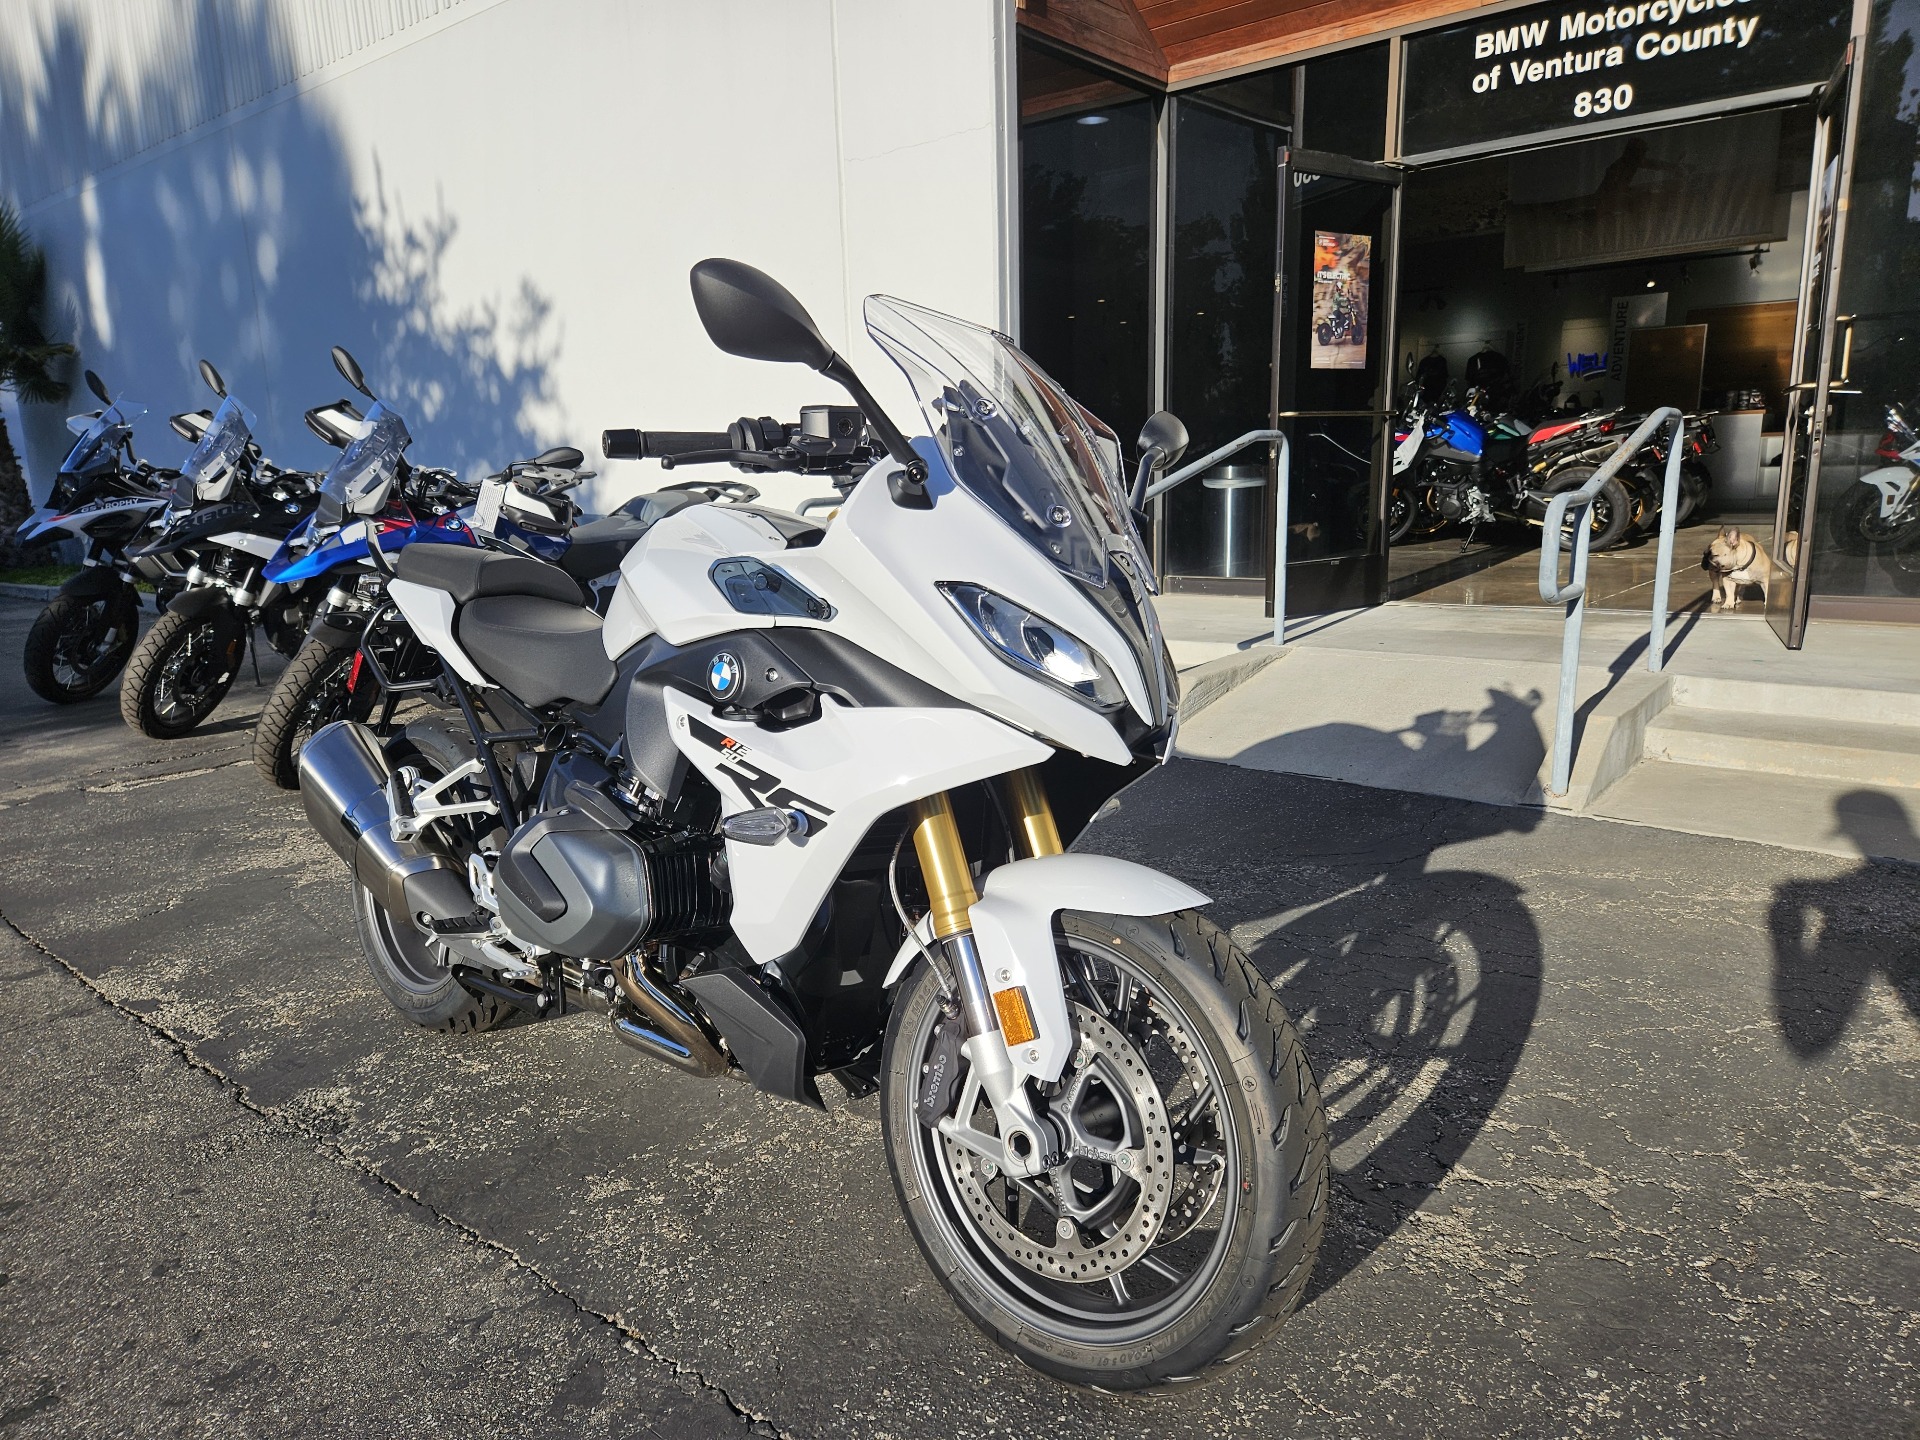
<point>343,785</point>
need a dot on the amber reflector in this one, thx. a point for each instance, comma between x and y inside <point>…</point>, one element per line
<point>1016,1019</point>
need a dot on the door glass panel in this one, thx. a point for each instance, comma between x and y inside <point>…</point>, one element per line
<point>1220,334</point>
<point>1086,208</point>
<point>1866,535</point>
<point>1332,353</point>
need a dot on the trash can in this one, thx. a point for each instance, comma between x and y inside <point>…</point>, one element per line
<point>1238,527</point>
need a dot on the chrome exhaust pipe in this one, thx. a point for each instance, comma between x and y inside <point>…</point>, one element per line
<point>343,786</point>
<point>662,1027</point>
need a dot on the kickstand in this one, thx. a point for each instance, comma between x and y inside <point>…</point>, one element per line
<point>1467,544</point>
<point>253,653</point>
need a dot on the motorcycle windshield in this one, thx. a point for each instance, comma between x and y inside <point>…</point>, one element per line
<point>208,472</point>
<point>1014,438</point>
<point>359,480</point>
<point>95,430</point>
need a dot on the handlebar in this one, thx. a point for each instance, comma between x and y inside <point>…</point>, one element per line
<point>654,444</point>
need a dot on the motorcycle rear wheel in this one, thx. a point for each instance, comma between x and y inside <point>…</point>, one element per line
<point>412,970</point>
<point>180,672</point>
<point>1234,1146</point>
<point>79,643</point>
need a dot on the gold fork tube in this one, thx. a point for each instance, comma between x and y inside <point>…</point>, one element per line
<point>1033,828</point>
<point>943,865</point>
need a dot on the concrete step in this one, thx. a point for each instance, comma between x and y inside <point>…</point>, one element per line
<point>1881,706</point>
<point>1855,752</point>
<point>1834,817</point>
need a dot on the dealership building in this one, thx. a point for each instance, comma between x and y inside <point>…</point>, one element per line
<point>1283,214</point>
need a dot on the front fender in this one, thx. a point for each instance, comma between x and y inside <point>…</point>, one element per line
<point>1013,929</point>
<point>200,600</point>
<point>1893,482</point>
<point>95,582</point>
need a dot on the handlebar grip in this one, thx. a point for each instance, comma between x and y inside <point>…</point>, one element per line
<point>647,444</point>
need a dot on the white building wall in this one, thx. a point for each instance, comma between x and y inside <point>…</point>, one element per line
<point>494,203</point>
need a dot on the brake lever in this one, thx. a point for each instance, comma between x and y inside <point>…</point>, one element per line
<point>757,459</point>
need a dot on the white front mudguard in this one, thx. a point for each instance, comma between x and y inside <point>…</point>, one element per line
<point>1893,482</point>
<point>1013,929</point>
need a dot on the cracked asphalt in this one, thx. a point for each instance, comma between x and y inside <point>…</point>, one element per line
<point>1624,1122</point>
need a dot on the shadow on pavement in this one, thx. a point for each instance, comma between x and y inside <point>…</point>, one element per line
<point>1832,937</point>
<point>1415,985</point>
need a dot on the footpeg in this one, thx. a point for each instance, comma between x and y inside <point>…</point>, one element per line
<point>474,924</point>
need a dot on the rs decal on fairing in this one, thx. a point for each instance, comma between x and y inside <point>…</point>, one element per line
<point>760,785</point>
<point>853,763</point>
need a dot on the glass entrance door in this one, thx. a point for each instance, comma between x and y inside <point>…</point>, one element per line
<point>1809,391</point>
<point>1333,347</point>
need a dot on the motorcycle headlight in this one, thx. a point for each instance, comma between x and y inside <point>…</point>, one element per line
<point>1035,646</point>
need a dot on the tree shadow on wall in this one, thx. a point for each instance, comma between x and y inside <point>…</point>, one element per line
<point>1415,985</point>
<point>251,244</point>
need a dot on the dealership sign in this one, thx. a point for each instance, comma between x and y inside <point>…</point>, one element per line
<point>1569,68</point>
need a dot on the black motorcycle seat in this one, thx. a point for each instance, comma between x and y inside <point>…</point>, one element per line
<point>600,545</point>
<point>541,649</point>
<point>469,574</point>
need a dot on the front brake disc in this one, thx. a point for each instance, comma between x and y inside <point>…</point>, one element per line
<point>1075,1256</point>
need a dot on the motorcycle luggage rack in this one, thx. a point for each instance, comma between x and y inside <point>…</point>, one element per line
<point>1574,593</point>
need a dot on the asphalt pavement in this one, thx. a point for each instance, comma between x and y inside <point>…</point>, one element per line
<point>1625,1132</point>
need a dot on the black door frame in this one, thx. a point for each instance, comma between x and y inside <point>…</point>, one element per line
<point>1353,581</point>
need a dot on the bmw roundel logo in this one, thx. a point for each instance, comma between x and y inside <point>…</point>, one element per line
<point>723,674</point>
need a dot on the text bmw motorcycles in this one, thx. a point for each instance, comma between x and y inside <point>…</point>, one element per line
<point>696,815</point>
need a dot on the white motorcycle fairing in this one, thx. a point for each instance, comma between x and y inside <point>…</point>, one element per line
<point>843,770</point>
<point>878,565</point>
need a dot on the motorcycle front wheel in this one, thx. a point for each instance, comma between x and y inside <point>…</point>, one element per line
<point>1858,525</point>
<point>80,642</point>
<point>1176,1259</point>
<point>180,672</point>
<point>311,693</point>
<point>1608,518</point>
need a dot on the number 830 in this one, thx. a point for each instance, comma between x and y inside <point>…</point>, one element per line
<point>1602,101</point>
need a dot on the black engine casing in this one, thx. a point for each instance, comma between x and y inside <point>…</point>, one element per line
<point>569,884</point>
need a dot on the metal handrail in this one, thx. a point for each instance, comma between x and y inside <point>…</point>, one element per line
<point>1284,455</point>
<point>1574,593</point>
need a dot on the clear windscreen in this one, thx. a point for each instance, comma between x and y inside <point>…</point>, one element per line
<point>1014,438</point>
<point>360,479</point>
<point>209,471</point>
<point>96,431</point>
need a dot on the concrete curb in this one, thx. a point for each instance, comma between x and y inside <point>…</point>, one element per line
<point>28,592</point>
<point>1208,682</point>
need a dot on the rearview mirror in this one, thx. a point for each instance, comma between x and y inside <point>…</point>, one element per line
<point>212,377</point>
<point>350,372</point>
<point>99,389</point>
<point>1164,433</point>
<point>560,457</point>
<point>750,314</point>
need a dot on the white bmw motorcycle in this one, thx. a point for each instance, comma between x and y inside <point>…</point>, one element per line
<point>696,815</point>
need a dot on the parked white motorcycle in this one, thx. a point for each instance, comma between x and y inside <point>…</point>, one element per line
<point>1100,1122</point>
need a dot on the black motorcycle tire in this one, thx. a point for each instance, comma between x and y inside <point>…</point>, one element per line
<point>310,693</point>
<point>65,618</point>
<point>1856,526</point>
<point>1272,1219</point>
<point>1611,514</point>
<point>159,649</point>
<point>399,957</point>
<point>1323,332</point>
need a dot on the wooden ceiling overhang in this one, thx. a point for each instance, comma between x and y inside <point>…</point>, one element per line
<point>1174,43</point>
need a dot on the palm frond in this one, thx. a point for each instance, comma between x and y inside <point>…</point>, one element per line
<point>27,353</point>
